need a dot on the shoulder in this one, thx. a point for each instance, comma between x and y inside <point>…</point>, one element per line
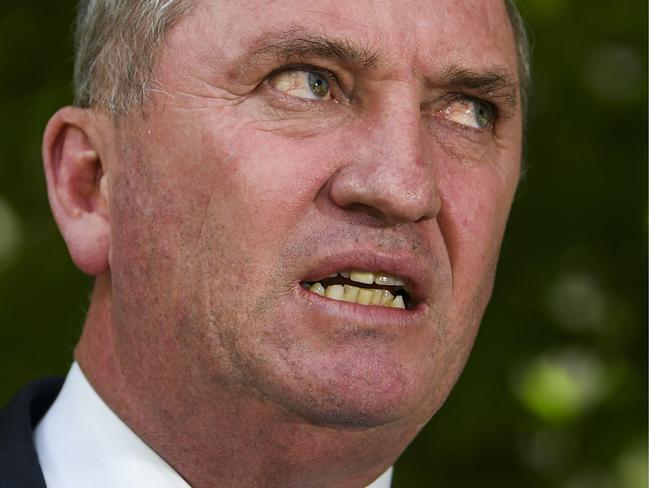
<point>19,467</point>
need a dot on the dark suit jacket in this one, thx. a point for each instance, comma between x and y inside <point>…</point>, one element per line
<point>19,467</point>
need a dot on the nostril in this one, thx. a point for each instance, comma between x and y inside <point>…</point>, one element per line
<point>387,212</point>
<point>366,209</point>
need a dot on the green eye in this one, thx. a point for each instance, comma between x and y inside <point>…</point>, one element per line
<point>302,84</point>
<point>319,86</point>
<point>482,116</point>
<point>471,113</point>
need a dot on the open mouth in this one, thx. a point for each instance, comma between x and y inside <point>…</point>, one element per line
<point>364,288</point>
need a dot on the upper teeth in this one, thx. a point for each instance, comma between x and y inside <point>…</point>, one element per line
<point>362,296</point>
<point>368,277</point>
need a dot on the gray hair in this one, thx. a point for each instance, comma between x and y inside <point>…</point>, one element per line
<point>523,52</point>
<point>117,44</point>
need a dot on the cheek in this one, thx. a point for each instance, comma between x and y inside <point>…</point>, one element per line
<point>476,203</point>
<point>206,190</point>
<point>268,180</point>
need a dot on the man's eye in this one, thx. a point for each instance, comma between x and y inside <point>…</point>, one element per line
<point>302,84</point>
<point>471,113</point>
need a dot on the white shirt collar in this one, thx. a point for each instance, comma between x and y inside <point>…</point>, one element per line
<point>80,443</point>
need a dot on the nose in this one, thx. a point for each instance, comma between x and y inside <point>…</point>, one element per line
<point>390,175</point>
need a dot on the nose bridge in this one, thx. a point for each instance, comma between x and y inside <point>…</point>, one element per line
<point>396,135</point>
<point>390,172</point>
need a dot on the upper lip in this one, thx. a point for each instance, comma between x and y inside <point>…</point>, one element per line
<point>416,271</point>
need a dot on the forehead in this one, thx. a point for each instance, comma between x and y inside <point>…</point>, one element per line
<point>425,35</point>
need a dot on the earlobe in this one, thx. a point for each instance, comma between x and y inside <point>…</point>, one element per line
<point>77,187</point>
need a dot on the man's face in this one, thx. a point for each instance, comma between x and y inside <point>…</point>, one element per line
<point>289,141</point>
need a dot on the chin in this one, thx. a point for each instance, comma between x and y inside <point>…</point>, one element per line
<point>360,394</point>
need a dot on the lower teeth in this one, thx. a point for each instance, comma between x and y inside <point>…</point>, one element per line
<point>362,296</point>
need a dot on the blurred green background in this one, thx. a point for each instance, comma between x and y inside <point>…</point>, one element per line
<point>555,392</point>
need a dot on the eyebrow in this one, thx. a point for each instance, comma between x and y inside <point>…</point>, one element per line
<point>496,84</point>
<point>297,43</point>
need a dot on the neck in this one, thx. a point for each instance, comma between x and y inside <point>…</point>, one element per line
<point>216,434</point>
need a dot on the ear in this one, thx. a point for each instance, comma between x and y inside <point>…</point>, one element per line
<point>77,186</point>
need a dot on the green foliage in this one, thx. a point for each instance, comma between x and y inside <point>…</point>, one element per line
<point>554,393</point>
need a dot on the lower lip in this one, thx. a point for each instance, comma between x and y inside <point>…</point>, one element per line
<point>364,315</point>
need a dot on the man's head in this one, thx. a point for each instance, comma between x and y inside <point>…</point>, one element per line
<point>274,146</point>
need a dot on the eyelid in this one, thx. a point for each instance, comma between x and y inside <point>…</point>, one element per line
<point>338,93</point>
<point>465,98</point>
<point>470,98</point>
